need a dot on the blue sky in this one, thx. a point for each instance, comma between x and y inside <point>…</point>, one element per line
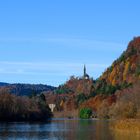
<point>46,41</point>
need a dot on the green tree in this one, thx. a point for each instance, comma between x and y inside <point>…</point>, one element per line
<point>85,113</point>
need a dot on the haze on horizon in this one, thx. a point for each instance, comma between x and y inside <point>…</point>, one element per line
<point>48,41</point>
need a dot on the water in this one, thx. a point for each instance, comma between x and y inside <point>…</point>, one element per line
<point>62,129</point>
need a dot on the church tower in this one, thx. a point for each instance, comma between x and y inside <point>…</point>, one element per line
<point>85,76</point>
<point>84,71</point>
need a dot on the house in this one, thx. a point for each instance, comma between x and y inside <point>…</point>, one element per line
<point>52,106</point>
<point>51,101</point>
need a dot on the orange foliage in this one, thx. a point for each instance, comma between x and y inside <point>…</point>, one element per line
<point>93,102</point>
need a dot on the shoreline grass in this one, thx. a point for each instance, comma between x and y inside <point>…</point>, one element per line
<point>126,125</point>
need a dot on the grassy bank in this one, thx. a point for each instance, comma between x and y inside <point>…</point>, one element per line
<point>127,125</point>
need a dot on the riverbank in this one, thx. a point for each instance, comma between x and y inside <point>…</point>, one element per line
<point>127,125</point>
<point>66,114</point>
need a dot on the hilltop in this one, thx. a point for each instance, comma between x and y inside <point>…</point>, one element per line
<point>123,73</point>
<point>26,89</point>
<point>126,69</point>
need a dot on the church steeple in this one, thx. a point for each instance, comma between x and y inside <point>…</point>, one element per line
<point>84,71</point>
<point>85,76</point>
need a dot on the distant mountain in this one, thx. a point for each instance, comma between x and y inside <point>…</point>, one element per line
<point>26,89</point>
<point>3,84</point>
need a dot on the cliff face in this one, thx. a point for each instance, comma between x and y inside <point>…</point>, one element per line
<point>126,69</point>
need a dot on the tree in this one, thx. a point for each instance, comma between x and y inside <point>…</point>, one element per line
<point>16,108</point>
<point>85,113</point>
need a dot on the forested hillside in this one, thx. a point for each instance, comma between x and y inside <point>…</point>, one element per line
<point>114,92</point>
<point>26,89</point>
<point>124,72</point>
<point>117,89</point>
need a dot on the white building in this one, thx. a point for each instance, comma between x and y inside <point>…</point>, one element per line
<point>52,106</point>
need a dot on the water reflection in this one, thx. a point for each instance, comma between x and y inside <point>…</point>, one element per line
<point>62,129</point>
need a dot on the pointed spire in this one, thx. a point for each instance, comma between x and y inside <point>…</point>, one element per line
<point>84,70</point>
<point>85,76</point>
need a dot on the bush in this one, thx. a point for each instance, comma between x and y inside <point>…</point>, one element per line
<point>85,113</point>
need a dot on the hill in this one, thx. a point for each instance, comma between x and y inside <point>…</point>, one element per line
<point>3,84</point>
<point>124,72</point>
<point>26,89</point>
<point>127,67</point>
<point>117,89</point>
<point>114,92</point>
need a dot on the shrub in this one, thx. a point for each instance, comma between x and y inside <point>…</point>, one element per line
<point>85,113</point>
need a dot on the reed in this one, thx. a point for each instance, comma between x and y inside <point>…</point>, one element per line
<point>127,125</point>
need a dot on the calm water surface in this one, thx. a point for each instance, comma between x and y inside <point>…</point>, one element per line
<point>62,129</point>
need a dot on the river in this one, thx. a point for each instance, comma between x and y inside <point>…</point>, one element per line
<point>62,129</point>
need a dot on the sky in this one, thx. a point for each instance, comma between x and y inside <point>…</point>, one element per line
<point>47,41</point>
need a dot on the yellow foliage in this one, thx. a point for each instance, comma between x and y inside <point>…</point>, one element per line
<point>114,82</point>
<point>127,64</point>
<point>112,75</point>
<point>61,103</point>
